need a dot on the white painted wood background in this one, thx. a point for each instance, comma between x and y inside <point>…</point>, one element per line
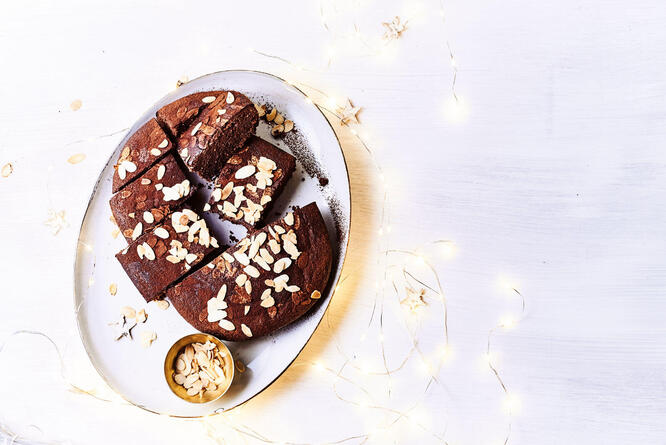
<point>553,175</point>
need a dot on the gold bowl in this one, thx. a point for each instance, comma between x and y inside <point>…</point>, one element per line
<point>170,368</point>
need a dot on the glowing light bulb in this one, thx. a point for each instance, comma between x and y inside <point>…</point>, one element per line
<point>319,366</point>
<point>455,110</point>
<point>511,404</point>
<point>508,322</point>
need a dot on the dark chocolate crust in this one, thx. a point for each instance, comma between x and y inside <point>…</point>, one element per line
<point>142,150</point>
<point>216,133</point>
<point>150,198</point>
<point>246,314</point>
<point>178,115</point>
<point>157,259</point>
<point>270,170</point>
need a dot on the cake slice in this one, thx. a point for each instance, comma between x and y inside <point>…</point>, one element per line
<point>250,181</point>
<point>145,202</point>
<point>157,259</point>
<point>266,281</point>
<point>145,147</point>
<point>216,133</point>
<point>178,115</point>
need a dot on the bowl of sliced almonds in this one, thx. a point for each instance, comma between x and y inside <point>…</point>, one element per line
<point>199,368</point>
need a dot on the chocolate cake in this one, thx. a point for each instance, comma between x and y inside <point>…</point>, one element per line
<point>145,147</point>
<point>143,204</point>
<point>250,181</point>
<point>178,115</point>
<point>157,259</point>
<point>216,133</point>
<point>268,280</point>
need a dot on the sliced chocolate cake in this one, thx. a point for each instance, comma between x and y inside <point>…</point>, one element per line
<point>143,204</point>
<point>157,259</point>
<point>216,133</point>
<point>145,147</point>
<point>178,115</point>
<point>250,181</point>
<point>268,280</point>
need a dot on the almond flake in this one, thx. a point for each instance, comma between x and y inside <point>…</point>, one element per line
<point>230,98</point>
<point>246,330</point>
<point>147,338</point>
<point>227,325</point>
<point>265,199</point>
<point>293,288</point>
<point>281,265</point>
<point>268,302</point>
<point>208,99</point>
<point>145,181</point>
<point>222,293</point>
<point>248,287</point>
<point>128,312</point>
<point>138,229</point>
<point>163,304</point>
<point>148,252</point>
<point>190,257</point>
<point>241,279</point>
<point>245,172</point>
<point>226,191</point>
<point>148,217</point>
<point>275,246</point>
<point>113,288</point>
<point>161,232</point>
<point>141,316</point>
<point>195,129</point>
<point>291,249</point>
<point>228,257</point>
<point>247,309</point>
<point>155,152</point>
<point>163,144</point>
<point>217,195</point>
<point>75,159</point>
<point>251,271</point>
<point>315,295</point>
<point>289,219</point>
<point>160,172</point>
<point>206,207</point>
<point>129,166</point>
<point>7,170</point>
<point>266,293</point>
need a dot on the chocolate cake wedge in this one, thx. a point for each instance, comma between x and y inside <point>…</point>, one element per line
<point>250,181</point>
<point>157,259</point>
<point>178,115</point>
<point>266,281</point>
<point>143,204</point>
<point>216,133</point>
<point>143,149</point>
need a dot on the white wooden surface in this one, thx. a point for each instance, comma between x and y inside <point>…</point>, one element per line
<point>554,176</point>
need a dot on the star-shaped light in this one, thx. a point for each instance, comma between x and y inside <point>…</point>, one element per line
<point>414,299</point>
<point>394,28</point>
<point>123,328</point>
<point>347,113</point>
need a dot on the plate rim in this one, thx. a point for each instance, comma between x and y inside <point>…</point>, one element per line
<point>334,285</point>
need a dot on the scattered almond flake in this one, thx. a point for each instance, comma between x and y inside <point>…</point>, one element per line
<point>281,265</point>
<point>145,181</point>
<point>76,105</point>
<point>190,258</point>
<point>227,325</point>
<point>226,191</point>
<point>292,288</point>
<point>162,304</point>
<point>216,195</point>
<point>147,338</point>
<point>159,187</point>
<point>148,217</point>
<point>222,292</point>
<point>56,221</point>
<point>129,166</point>
<point>208,99</point>
<point>266,293</point>
<point>155,152</point>
<point>230,98</point>
<point>268,302</point>
<point>265,199</point>
<point>148,252</point>
<point>288,126</point>
<point>163,144</point>
<point>289,219</point>
<point>247,309</point>
<point>274,245</point>
<point>195,129</point>
<point>160,172</point>
<point>251,271</point>
<point>206,207</point>
<point>246,330</point>
<point>7,170</point>
<point>315,295</point>
<point>291,249</point>
<point>138,230</point>
<point>228,257</point>
<point>161,232</point>
<point>128,312</point>
<point>115,232</point>
<point>141,316</point>
<point>75,159</point>
<point>113,288</point>
<point>241,279</point>
<point>245,172</point>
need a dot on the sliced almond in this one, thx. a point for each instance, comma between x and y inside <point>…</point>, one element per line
<point>251,271</point>
<point>148,252</point>
<point>227,325</point>
<point>268,302</point>
<point>208,99</point>
<point>245,172</point>
<point>113,288</point>
<point>281,264</point>
<point>138,229</point>
<point>148,217</point>
<point>228,257</point>
<point>163,304</point>
<point>289,219</point>
<point>241,279</point>
<point>163,144</point>
<point>190,258</point>
<point>7,170</point>
<point>195,129</point>
<point>226,191</point>
<point>315,295</point>
<point>265,199</point>
<point>230,98</point>
<point>155,152</point>
<point>216,195</point>
<point>161,232</point>
<point>160,172</point>
<point>75,159</point>
<point>246,330</point>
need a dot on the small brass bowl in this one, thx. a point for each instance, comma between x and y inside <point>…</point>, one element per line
<point>170,368</point>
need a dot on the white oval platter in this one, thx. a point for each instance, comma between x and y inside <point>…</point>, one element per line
<point>136,373</point>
